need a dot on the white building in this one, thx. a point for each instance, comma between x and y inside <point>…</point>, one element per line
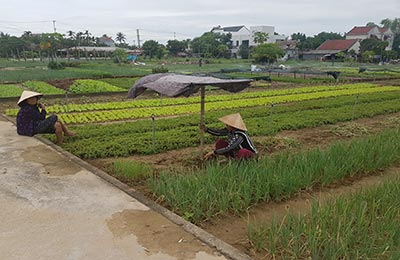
<point>241,35</point>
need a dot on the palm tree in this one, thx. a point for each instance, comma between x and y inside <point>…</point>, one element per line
<point>87,37</point>
<point>71,34</point>
<point>120,37</point>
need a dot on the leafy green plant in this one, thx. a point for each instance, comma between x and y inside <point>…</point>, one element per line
<point>43,87</point>
<point>9,90</point>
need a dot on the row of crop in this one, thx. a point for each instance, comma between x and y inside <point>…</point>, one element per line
<point>110,144</point>
<point>126,114</point>
<point>236,187</point>
<point>182,101</point>
<point>211,119</point>
<point>43,87</point>
<point>364,225</point>
<point>38,86</point>
<point>9,90</point>
<point>92,86</point>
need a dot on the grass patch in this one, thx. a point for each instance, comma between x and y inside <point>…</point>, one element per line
<point>131,169</point>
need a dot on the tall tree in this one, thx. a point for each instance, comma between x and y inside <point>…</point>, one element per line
<point>394,25</point>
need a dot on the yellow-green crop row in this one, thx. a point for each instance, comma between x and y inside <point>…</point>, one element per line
<point>140,103</point>
<point>128,114</point>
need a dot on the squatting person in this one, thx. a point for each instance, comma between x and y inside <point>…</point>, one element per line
<point>238,144</point>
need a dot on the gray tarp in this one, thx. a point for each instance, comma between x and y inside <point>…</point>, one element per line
<point>173,85</point>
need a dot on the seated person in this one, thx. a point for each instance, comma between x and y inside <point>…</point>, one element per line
<point>31,121</point>
<point>238,144</point>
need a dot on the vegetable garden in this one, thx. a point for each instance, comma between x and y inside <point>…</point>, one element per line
<point>117,135</point>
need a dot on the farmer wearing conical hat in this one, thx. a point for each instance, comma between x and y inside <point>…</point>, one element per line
<point>238,145</point>
<point>31,120</point>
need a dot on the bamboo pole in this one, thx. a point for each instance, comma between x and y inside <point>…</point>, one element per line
<point>202,101</point>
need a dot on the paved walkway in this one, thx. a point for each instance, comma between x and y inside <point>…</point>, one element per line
<point>52,208</point>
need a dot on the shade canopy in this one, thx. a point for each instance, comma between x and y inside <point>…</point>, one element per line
<point>174,85</point>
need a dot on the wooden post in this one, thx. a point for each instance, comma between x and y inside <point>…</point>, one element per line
<point>202,101</point>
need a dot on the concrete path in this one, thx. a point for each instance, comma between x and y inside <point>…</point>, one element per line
<point>52,208</point>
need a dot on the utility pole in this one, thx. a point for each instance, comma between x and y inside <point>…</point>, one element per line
<point>54,26</point>
<point>138,37</point>
<point>174,35</point>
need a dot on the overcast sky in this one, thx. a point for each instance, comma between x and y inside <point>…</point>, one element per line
<point>182,19</point>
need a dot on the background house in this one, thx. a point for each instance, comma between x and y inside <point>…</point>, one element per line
<point>290,48</point>
<point>106,41</point>
<point>330,48</point>
<point>367,32</point>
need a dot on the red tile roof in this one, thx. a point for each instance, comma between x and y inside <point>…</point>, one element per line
<point>360,30</point>
<point>339,45</point>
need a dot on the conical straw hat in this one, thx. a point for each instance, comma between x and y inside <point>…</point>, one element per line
<point>28,94</point>
<point>234,120</point>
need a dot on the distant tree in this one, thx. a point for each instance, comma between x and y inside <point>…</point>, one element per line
<point>208,44</point>
<point>50,42</point>
<point>70,34</point>
<point>175,46</point>
<point>311,43</point>
<point>121,38</point>
<point>267,52</point>
<point>223,51</point>
<point>260,37</point>
<point>152,49</point>
<point>374,45</point>
<point>371,24</point>
<point>300,37</point>
<point>394,25</point>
